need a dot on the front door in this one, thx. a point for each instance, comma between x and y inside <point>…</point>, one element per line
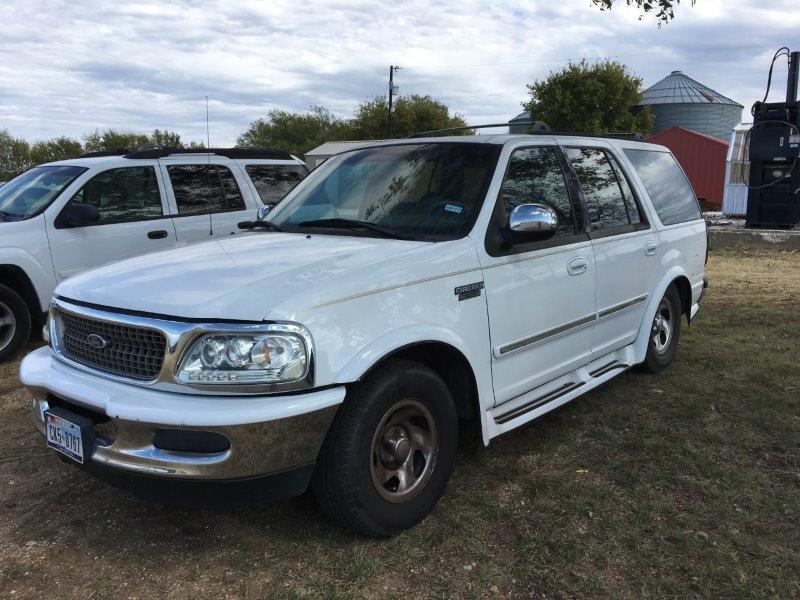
<point>540,295</point>
<point>133,221</point>
<point>625,247</point>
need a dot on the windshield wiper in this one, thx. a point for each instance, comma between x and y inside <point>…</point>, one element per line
<point>340,223</point>
<point>255,224</point>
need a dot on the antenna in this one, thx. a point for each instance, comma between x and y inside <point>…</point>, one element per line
<point>208,172</point>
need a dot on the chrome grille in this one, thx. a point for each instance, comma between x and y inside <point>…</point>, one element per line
<point>132,352</point>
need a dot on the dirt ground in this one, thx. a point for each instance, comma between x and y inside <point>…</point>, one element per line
<point>685,484</point>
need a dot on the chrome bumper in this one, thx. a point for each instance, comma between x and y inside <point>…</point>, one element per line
<point>255,448</point>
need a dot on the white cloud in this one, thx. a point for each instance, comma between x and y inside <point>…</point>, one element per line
<point>70,67</point>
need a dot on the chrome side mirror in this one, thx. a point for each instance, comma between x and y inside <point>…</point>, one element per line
<point>263,210</point>
<point>535,221</point>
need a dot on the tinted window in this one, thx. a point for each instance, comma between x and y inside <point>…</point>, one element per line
<point>534,175</point>
<point>600,188</point>
<point>34,190</point>
<point>203,189</point>
<point>123,195</point>
<point>630,200</point>
<point>425,190</point>
<point>669,190</point>
<point>273,182</point>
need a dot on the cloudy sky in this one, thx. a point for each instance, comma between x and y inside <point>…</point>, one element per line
<point>68,67</point>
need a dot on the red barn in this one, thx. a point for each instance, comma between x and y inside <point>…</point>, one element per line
<point>702,157</point>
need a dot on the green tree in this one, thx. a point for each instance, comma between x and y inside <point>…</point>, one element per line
<point>410,114</point>
<point>594,98</point>
<point>60,148</point>
<point>109,140</point>
<point>664,8</point>
<point>14,155</point>
<point>295,132</point>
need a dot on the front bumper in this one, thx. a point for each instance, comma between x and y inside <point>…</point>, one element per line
<point>266,434</point>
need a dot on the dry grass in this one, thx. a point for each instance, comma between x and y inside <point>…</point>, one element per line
<point>683,484</point>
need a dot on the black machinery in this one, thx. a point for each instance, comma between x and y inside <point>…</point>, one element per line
<point>773,198</point>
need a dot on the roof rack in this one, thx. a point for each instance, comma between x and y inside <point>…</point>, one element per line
<point>265,153</point>
<point>536,128</point>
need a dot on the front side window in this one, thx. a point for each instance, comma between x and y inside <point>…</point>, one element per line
<point>534,175</point>
<point>669,190</point>
<point>204,189</point>
<point>419,191</point>
<point>33,191</point>
<point>600,187</point>
<point>273,182</point>
<point>123,195</point>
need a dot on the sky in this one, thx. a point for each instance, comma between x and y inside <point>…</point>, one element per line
<point>69,67</point>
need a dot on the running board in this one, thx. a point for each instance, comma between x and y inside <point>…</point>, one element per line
<point>537,402</point>
<point>612,366</point>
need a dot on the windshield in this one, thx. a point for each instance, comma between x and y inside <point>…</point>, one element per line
<point>30,193</point>
<point>418,191</point>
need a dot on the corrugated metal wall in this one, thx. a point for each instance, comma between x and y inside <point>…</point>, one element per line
<point>702,158</point>
<point>712,119</point>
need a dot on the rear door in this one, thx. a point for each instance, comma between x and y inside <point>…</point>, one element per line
<point>626,246</point>
<point>134,219</point>
<point>540,295</point>
<point>208,196</point>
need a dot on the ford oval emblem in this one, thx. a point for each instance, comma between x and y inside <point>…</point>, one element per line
<point>96,341</point>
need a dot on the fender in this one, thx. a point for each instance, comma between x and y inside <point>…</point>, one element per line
<point>379,348</point>
<point>642,338</point>
<point>43,280</point>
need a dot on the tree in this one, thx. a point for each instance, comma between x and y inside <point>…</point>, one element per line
<point>664,8</point>
<point>60,148</point>
<point>14,155</point>
<point>295,132</point>
<point>410,114</point>
<point>109,140</point>
<point>588,98</point>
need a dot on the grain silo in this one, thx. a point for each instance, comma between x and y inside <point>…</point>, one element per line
<point>680,100</point>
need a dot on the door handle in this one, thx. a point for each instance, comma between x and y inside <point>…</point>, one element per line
<point>158,234</point>
<point>650,248</point>
<point>577,266</point>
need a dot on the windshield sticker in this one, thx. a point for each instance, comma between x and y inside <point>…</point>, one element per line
<point>454,208</point>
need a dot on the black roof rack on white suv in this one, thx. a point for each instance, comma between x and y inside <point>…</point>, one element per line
<point>536,128</point>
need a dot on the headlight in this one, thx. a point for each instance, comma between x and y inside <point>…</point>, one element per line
<point>242,358</point>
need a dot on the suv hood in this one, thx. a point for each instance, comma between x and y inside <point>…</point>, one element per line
<point>234,279</point>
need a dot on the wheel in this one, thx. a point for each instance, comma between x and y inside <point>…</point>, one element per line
<point>15,323</point>
<point>387,458</point>
<point>664,333</point>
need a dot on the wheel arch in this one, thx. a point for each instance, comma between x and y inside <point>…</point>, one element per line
<point>680,278</point>
<point>14,277</point>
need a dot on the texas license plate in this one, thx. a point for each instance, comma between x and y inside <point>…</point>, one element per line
<point>64,436</point>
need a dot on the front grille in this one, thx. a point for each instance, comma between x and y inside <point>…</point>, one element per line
<point>132,352</point>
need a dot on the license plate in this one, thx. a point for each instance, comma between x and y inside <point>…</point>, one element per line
<point>65,437</point>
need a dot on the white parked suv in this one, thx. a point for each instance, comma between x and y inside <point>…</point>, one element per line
<point>62,218</point>
<point>397,290</point>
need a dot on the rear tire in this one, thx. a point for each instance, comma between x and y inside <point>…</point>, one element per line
<point>665,332</point>
<point>15,323</point>
<point>390,451</point>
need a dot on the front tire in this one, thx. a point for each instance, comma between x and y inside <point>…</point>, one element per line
<point>15,323</point>
<point>390,451</point>
<point>665,332</point>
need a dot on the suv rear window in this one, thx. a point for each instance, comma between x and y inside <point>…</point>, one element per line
<point>273,182</point>
<point>670,192</point>
<point>204,189</point>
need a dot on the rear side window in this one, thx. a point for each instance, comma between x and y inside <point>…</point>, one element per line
<point>123,195</point>
<point>534,175</point>
<point>204,189</point>
<point>600,187</point>
<point>273,182</point>
<point>669,190</point>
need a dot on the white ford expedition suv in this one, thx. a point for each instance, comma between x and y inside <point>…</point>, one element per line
<point>398,289</point>
<point>62,218</point>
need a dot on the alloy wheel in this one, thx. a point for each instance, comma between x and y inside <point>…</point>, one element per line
<point>8,325</point>
<point>663,326</point>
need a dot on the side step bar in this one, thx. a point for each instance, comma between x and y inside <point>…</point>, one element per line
<point>537,402</point>
<point>612,366</point>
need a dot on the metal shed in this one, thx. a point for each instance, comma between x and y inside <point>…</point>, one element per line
<point>702,158</point>
<point>737,175</point>
<point>680,100</point>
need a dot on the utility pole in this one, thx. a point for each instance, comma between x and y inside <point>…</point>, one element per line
<point>392,90</point>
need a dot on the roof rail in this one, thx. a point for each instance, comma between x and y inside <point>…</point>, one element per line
<point>104,153</point>
<point>536,127</point>
<point>267,153</point>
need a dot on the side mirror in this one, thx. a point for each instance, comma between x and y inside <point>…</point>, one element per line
<point>263,211</point>
<point>76,214</point>
<point>533,221</point>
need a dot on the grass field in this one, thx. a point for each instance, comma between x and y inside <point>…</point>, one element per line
<point>685,484</point>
